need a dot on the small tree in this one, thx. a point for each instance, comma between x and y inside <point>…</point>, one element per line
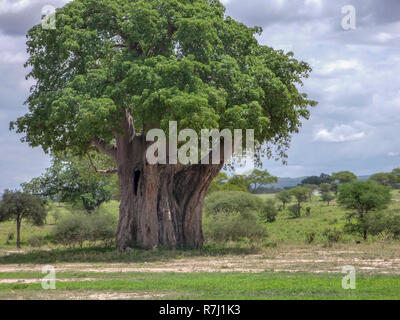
<point>311,188</point>
<point>20,206</point>
<point>327,197</point>
<point>223,183</point>
<point>301,194</point>
<point>257,179</point>
<point>325,187</point>
<point>270,211</point>
<point>362,196</point>
<point>385,178</point>
<point>334,188</point>
<point>284,196</point>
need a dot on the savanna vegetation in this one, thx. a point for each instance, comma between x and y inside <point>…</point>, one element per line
<point>244,232</point>
<point>114,70</point>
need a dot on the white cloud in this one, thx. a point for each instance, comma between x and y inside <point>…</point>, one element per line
<point>340,65</point>
<point>394,154</point>
<point>12,58</point>
<point>7,6</point>
<point>340,133</point>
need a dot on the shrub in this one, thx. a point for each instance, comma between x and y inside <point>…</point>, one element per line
<point>103,228</point>
<point>394,226</point>
<point>284,196</point>
<point>233,226</point>
<point>233,201</point>
<point>294,211</point>
<point>36,241</point>
<point>74,230</point>
<point>270,211</point>
<point>310,236</point>
<point>10,237</point>
<point>332,236</point>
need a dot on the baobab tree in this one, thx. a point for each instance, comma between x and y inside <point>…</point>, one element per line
<point>113,70</point>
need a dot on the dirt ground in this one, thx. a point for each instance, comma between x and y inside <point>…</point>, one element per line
<point>377,259</point>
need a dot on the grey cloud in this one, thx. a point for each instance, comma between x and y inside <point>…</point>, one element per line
<point>17,20</point>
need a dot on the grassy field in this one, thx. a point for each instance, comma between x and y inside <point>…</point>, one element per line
<point>282,267</point>
<point>200,286</point>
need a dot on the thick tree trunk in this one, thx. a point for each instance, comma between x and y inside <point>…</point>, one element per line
<point>161,205</point>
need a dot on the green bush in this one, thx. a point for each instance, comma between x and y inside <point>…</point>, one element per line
<point>233,201</point>
<point>332,236</point>
<point>310,236</point>
<point>233,226</point>
<point>375,223</point>
<point>295,211</point>
<point>10,237</point>
<point>394,226</point>
<point>270,211</point>
<point>76,229</point>
<point>36,241</point>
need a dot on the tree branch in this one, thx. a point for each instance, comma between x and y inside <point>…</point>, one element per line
<point>104,148</point>
<point>112,171</point>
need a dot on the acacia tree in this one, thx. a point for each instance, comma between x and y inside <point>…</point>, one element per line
<point>257,179</point>
<point>385,178</point>
<point>284,196</point>
<point>113,70</point>
<point>362,196</point>
<point>301,194</point>
<point>344,176</point>
<point>20,206</point>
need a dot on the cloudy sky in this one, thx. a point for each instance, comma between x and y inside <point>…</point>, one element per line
<point>355,80</point>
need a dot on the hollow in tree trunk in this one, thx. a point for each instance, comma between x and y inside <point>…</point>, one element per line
<point>161,205</point>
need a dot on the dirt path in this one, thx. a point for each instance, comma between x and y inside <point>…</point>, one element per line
<point>373,260</point>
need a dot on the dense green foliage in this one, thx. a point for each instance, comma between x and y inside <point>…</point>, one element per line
<point>231,225</point>
<point>231,201</point>
<point>77,229</point>
<point>362,196</point>
<point>270,211</point>
<point>315,180</point>
<point>234,215</point>
<point>177,60</point>
<point>386,178</point>
<point>344,176</point>
<point>223,183</point>
<point>74,180</point>
<point>258,179</point>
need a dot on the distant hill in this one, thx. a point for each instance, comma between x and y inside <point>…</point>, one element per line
<point>292,182</point>
<point>287,182</point>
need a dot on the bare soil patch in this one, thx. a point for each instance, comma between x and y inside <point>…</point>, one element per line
<point>366,259</point>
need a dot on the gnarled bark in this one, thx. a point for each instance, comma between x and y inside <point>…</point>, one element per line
<point>161,205</point>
